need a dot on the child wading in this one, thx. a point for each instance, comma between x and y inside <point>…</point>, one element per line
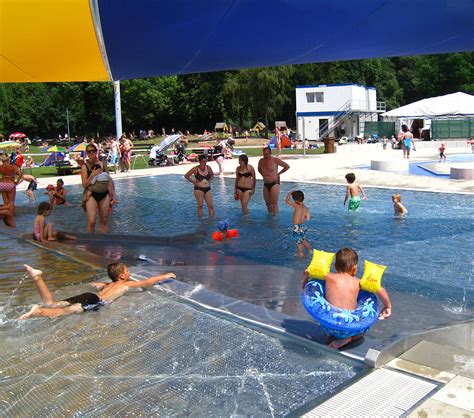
<point>300,215</point>
<point>352,192</point>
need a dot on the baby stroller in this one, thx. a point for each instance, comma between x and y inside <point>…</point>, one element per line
<point>180,153</point>
<point>158,157</point>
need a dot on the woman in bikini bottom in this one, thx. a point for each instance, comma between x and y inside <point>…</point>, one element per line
<point>202,189</point>
<point>99,196</point>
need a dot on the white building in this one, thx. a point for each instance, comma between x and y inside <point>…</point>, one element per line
<point>335,110</point>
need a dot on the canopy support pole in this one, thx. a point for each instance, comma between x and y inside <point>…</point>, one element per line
<point>118,110</point>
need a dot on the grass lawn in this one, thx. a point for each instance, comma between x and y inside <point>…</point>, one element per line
<point>141,163</point>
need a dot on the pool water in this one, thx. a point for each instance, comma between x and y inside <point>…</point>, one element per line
<point>146,354</point>
<point>429,277</point>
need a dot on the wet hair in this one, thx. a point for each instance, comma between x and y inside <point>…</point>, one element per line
<point>267,148</point>
<point>114,270</point>
<point>346,259</point>
<point>298,196</point>
<point>202,157</point>
<point>60,181</point>
<point>350,177</point>
<point>244,158</point>
<point>43,207</point>
<point>396,197</point>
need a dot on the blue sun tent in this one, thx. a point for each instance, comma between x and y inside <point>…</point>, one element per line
<point>93,40</point>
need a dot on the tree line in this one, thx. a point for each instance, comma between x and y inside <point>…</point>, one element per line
<point>197,101</point>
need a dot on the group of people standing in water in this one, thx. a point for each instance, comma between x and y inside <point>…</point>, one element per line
<point>269,167</point>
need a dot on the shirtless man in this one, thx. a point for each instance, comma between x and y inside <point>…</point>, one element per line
<point>107,292</point>
<point>268,168</point>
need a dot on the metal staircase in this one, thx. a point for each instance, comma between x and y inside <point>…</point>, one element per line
<point>349,108</point>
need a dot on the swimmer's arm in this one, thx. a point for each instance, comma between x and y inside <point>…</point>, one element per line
<point>209,170</point>
<point>307,216</point>
<point>19,173</point>
<point>304,279</point>
<point>254,184</point>
<point>363,193</point>
<point>98,285</point>
<point>150,281</point>
<point>259,168</point>
<point>387,305</point>
<point>188,175</point>
<point>41,229</point>
<point>348,192</point>
<point>236,180</point>
<point>285,166</point>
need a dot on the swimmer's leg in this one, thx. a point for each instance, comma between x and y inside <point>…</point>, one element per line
<point>274,194</point>
<point>37,276</point>
<point>38,310</point>
<point>210,206</point>
<point>307,245</point>
<point>50,235</point>
<point>341,342</point>
<point>299,250</point>
<point>199,195</point>
<point>267,198</point>
<point>244,200</point>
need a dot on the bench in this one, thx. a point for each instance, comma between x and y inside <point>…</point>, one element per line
<point>64,169</point>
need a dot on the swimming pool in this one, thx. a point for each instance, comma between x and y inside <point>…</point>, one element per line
<point>147,354</point>
<point>428,253</point>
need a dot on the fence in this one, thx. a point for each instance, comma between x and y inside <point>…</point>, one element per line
<point>380,129</point>
<point>457,128</point>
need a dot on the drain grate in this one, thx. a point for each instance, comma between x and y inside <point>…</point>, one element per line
<point>382,393</point>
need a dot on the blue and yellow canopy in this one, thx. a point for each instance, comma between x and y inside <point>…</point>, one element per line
<point>94,40</point>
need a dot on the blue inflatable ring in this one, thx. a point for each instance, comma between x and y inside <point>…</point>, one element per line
<point>340,323</point>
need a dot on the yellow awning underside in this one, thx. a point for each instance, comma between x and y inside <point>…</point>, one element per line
<point>49,40</point>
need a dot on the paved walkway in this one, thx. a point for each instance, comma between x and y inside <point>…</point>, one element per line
<point>324,168</point>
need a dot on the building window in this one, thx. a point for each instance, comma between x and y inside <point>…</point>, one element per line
<point>315,97</point>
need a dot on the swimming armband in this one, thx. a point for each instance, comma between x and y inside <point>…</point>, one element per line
<point>372,279</point>
<point>320,264</point>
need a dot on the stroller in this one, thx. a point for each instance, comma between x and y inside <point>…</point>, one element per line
<point>158,157</point>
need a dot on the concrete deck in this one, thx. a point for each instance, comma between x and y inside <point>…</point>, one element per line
<point>324,168</point>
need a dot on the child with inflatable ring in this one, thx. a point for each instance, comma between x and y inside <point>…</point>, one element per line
<point>342,298</point>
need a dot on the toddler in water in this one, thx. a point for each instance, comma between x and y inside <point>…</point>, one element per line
<point>342,289</point>
<point>352,191</point>
<point>30,191</point>
<point>300,215</point>
<point>397,204</point>
<point>43,231</point>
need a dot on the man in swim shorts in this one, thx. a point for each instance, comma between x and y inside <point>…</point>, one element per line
<point>107,292</point>
<point>268,168</point>
<point>352,192</point>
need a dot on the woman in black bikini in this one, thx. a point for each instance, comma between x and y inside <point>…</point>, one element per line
<point>244,183</point>
<point>99,199</point>
<point>202,191</point>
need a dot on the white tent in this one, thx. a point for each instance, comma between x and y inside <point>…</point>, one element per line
<point>451,105</point>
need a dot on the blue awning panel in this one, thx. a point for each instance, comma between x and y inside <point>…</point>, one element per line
<point>156,37</point>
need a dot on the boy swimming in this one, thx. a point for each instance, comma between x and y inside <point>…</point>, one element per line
<point>342,289</point>
<point>300,215</point>
<point>352,191</point>
<point>107,292</point>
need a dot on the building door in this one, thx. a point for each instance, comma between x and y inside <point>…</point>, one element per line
<point>323,128</point>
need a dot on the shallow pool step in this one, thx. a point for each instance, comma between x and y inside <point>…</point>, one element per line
<point>442,357</point>
<point>381,393</point>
